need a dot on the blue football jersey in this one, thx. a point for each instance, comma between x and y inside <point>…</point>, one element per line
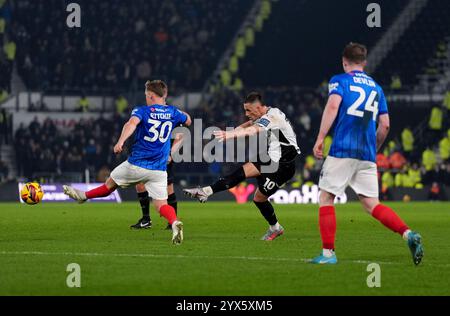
<point>355,128</point>
<point>151,146</point>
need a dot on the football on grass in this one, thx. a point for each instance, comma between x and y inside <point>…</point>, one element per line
<point>31,193</point>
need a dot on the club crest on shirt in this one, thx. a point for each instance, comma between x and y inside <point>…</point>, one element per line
<point>333,86</point>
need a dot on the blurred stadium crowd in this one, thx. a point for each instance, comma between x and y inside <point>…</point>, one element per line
<point>183,40</point>
<point>67,146</point>
<point>7,50</point>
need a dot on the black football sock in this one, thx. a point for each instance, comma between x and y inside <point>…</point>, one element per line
<point>144,200</point>
<point>229,181</point>
<point>267,211</point>
<point>172,201</point>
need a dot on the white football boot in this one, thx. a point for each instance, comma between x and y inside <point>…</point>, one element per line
<point>75,194</point>
<point>197,193</point>
<point>177,232</point>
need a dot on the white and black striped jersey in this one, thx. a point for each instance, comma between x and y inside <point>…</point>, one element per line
<point>282,140</point>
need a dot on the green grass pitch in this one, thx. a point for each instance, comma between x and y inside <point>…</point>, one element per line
<point>221,255</point>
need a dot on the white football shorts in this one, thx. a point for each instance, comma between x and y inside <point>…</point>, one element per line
<point>339,173</point>
<point>155,181</point>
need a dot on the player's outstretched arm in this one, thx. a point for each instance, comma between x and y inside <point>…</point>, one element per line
<point>245,125</point>
<point>237,133</point>
<point>382,130</point>
<point>328,117</point>
<point>127,131</point>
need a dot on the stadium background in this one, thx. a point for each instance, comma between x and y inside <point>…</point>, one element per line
<point>65,93</point>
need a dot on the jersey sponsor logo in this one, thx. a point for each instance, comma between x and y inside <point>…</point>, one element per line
<point>333,87</point>
<point>264,122</point>
<point>158,110</point>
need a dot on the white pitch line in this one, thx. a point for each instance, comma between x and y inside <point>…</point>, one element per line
<point>141,255</point>
<point>144,255</point>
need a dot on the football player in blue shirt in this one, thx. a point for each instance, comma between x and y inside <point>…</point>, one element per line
<point>145,221</point>
<point>149,155</point>
<point>356,104</point>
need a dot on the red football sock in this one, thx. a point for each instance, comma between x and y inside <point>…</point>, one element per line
<point>389,219</point>
<point>101,191</point>
<point>168,212</point>
<point>327,223</point>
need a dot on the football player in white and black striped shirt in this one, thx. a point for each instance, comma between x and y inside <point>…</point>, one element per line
<point>282,150</point>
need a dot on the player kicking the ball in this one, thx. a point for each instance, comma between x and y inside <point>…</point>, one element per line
<point>358,103</point>
<point>147,163</point>
<point>283,151</point>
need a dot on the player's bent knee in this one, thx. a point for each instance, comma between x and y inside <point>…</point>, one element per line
<point>250,170</point>
<point>159,203</point>
<point>259,197</point>
<point>111,184</point>
<point>369,203</point>
<point>140,188</point>
<point>326,198</point>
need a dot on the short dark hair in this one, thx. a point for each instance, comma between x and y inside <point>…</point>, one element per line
<point>158,87</point>
<point>253,97</point>
<point>355,53</point>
